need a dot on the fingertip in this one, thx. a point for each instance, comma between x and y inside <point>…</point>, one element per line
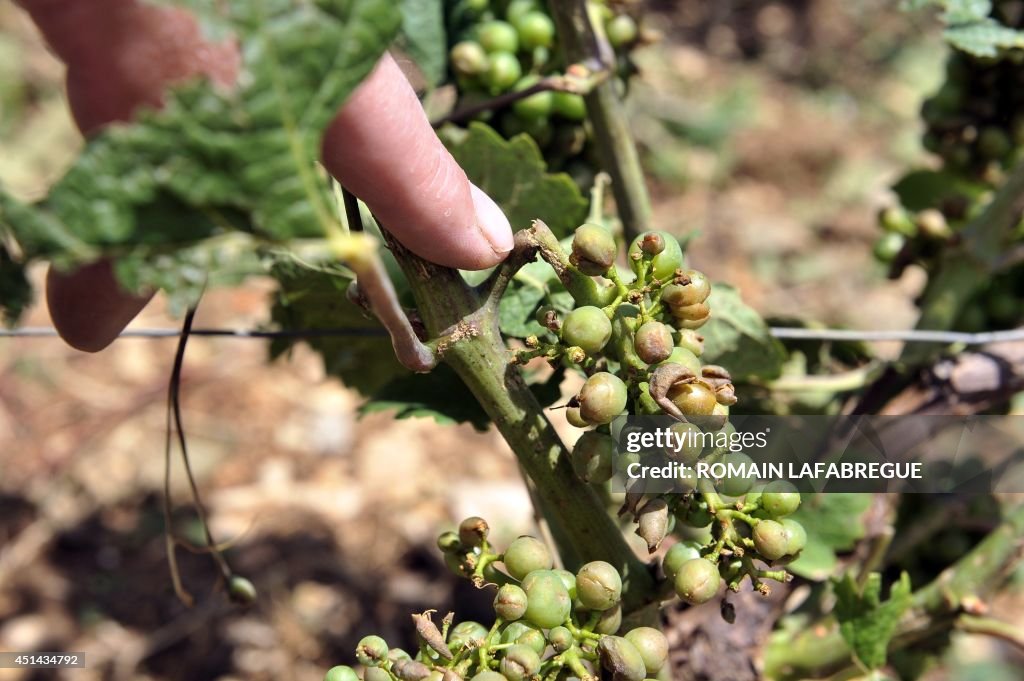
<point>88,307</point>
<point>491,222</point>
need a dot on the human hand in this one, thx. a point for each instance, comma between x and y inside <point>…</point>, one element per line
<point>123,54</point>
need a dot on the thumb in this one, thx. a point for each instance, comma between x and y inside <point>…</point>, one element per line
<point>382,148</point>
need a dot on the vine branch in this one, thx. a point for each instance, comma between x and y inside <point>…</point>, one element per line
<point>612,136</point>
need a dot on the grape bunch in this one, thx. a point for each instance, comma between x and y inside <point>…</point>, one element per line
<point>975,125</point>
<point>549,623</point>
<point>634,334</point>
<point>503,46</point>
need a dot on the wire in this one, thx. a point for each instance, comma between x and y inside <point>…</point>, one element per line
<point>906,336</point>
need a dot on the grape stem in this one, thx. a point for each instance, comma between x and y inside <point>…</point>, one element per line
<point>578,79</point>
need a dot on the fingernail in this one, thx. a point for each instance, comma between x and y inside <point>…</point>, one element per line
<point>491,222</point>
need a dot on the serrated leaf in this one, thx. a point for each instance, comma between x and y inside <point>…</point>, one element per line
<point>513,173</point>
<point>15,289</point>
<point>962,11</point>
<point>983,38</point>
<point>534,286</point>
<point>250,153</point>
<point>737,338</point>
<point>834,522</point>
<point>866,623</point>
<point>424,38</point>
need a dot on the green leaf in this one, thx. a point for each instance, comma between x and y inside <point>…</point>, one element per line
<point>960,11</point>
<point>513,173</point>
<point>315,299</point>
<point>15,289</point>
<point>834,522</point>
<point>213,161</point>
<point>922,189</point>
<point>737,338</point>
<point>983,38</point>
<point>866,623</point>
<point>440,395</point>
<point>423,37</point>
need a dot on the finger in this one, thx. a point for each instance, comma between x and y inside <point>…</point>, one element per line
<point>382,148</point>
<point>121,55</point>
<point>88,306</point>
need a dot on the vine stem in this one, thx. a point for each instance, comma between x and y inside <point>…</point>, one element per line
<point>820,650</point>
<point>473,347</point>
<point>612,135</point>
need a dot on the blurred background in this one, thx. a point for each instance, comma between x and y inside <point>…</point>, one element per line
<point>770,129</point>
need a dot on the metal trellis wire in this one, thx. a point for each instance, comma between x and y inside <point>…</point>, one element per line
<point>905,336</point>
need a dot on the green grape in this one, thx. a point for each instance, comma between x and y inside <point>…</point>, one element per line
<point>593,249</point>
<point>598,585</point>
<point>610,621</point>
<point>602,398</point>
<point>779,498</point>
<point>897,219</point>
<point>695,288</point>
<point>592,457</point>
<point>686,358</point>
<point>888,246</point>
<point>621,30</point>
<point>736,485</point>
<point>569,580</point>
<point>548,601</point>
<point>341,673</point>
<point>466,633</point>
<point>376,674</point>
<point>569,106</point>
<point>652,646</point>
<point>697,398</point>
<point>587,327</point>
<point>518,8</point>
<point>448,542</point>
<point>526,554</point>
<point>697,581</point>
<point>510,602</point>
<point>488,675</point>
<point>692,341</point>
<point>678,554</point>
<point>535,106</point>
<point>691,316</point>
<point>503,72</point>
<point>515,630</point>
<point>653,342</point>
<point>575,418</point>
<point>796,536</point>
<point>691,446</point>
<point>561,639</point>
<point>994,143</point>
<point>770,539</point>
<point>535,30</point>
<point>241,590</point>
<point>665,263</point>
<point>372,651</point>
<point>468,58</point>
<point>695,516</point>
<point>473,531</point>
<point>519,663</point>
<point>622,659</point>
<point>498,36</point>
<point>396,654</point>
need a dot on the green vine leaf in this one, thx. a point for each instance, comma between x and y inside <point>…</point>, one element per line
<point>834,522</point>
<point>513,173</point>
<point>736,337</point>
<point>213,161</point>
<point>866,623</point>
<point>983,38</point>
<point>424,38</point>
<point>433,395</point>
